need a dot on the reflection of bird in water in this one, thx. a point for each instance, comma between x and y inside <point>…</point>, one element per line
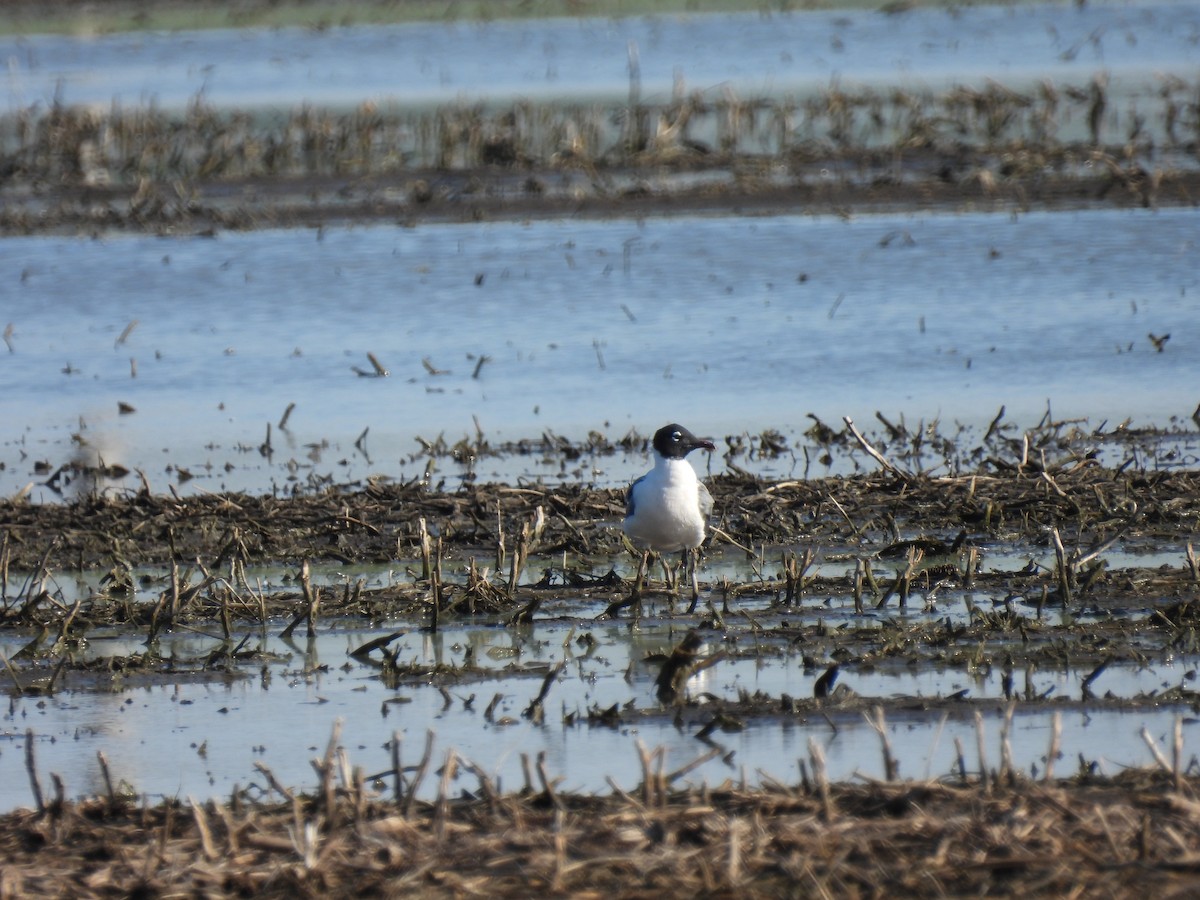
<point>667,509</point>
<point>677,668</point>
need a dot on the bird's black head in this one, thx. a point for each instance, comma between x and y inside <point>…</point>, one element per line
<point>675,442</point>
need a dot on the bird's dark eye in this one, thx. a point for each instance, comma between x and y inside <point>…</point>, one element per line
<point>676,436</point>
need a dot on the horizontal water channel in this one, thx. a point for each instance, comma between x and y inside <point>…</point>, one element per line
<point>203,739</point>
<point>1019,45</point>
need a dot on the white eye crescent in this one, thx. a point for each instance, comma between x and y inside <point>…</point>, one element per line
<point>676,436</point>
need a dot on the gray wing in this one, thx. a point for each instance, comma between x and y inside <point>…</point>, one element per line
<point>705,499</point>
<point>629,496</point>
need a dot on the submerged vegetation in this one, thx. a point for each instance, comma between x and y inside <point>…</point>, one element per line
<point>202,167</point>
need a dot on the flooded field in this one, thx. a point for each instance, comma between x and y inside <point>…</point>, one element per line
<point>321,393</point>
<point>180,357</point>
<point>207,732</point>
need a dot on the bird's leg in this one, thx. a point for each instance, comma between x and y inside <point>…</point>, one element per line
<point>670,577</point>
<point>680,571</point>
<point>673,582</point>
<point>693,557</point>
<point>643,564</point>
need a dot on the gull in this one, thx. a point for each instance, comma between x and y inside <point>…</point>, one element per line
<point>667,509</point>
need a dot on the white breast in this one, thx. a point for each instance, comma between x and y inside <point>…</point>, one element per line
<point>666,508</point>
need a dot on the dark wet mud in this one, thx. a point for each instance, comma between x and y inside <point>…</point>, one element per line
<point>927,181</point>
<point>1083,837</point>
<point>1028,557</point>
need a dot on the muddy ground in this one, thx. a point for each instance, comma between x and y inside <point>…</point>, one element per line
<point>1082,837</point>
<point>917,526</point>
<point>920,181</point>
<point>892,534</point>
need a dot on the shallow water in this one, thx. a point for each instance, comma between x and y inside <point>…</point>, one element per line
<point>726,324</point>
<point>204,739</point>
<point>753,55</point>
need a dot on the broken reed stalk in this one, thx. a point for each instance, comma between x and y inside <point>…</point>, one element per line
<point>312,600</point>
<point>500,551</point>
<point>875,454</point>
<point>442,807</point>
<point>734,867</point>
<point>693,765</point>
<point>985,777</point>
<point>37,581</point>
<point>794,569</point>
<point>419,775</point>
<point>516,564</point>
<point>960,759</point>
<point>1055,744</point>
<point>274,783</point>
<point>169,596</point>
<point>176,597</point>
<point>548,784</point>
<point>971,566</point>
<point>1177,753</point>
<point>437,567</point>
<point>397,769</point>
<point>560,848</point>
<point>528,789</point>
<point>226,618</point>
<point>634,140</point>
<point>859,564</point>
<point>426,549</point>
<point>891,769</point>
<point>124,336</point>
<point>357,785</point>
<point>1007,771</point>
<point>821,778</point>
<point>536,711</point>
<point>435,589</point>
<point>12,673</point>
<point>6,555</point>
<point>527,540</point>
<point>1062,568</point>
<point>107,775</point>
<point>486,788</point>
<point>654,785</point>
<point>903,581</point>
<point>1155,751</point>
<point>324,768</point>
<point>58,670</point>
<point>31,769</point>
<point>207,845</point>
<point>380,370</point>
